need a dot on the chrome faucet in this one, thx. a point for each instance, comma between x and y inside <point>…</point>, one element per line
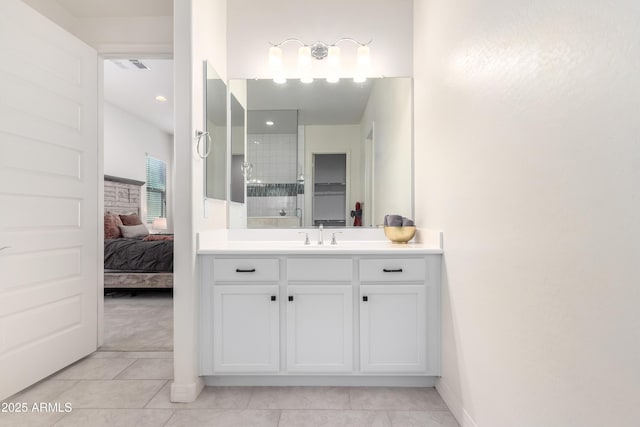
<point>333,237</point>
<point>320,238</point>
<point>306,237</point>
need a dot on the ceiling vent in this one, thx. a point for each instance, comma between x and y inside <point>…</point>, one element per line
<point>130,64</point>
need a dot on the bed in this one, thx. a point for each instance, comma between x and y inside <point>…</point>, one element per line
<point>132,261</point>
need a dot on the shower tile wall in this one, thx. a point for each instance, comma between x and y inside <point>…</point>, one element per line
<point>274,157</point>
<point>274,160</point>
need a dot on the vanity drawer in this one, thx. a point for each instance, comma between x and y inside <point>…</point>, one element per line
<point>393,270</point>
<point>246,270</point>
<point>320,269</point>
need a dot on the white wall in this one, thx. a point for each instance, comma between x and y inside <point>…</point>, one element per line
<point>389,113</point>
<point>127,142</point>
<point>332,139</point>
<point>527,156</point>
<point>200,33</point>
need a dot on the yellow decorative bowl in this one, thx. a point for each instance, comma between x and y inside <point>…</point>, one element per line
<point>399,234</point>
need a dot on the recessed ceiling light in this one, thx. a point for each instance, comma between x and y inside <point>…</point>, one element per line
<point>161,98</point>
<point>269,123</point>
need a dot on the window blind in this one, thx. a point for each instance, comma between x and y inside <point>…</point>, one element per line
<point>156,189</point>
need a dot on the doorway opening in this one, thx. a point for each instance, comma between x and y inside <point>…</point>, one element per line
<point>329,189</point>
<point>138,163</point>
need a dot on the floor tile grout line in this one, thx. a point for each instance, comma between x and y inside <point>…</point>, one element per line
<point>125,368</point>
<point>173,414</point>
<point>251,392</point>
<point>155,394</point>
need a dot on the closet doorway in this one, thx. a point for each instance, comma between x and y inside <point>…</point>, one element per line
<point>329,189</point>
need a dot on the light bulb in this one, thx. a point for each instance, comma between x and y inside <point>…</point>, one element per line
<point>334,55</point>
<point>359,79</point>
<point>306,79</point>
<point>363,55</point>
<point>304,56</point>
<point>280,79</point>
<point>333,78</point>
<point>275,56</point>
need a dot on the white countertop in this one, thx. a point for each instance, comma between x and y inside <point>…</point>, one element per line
<point>368,242</point>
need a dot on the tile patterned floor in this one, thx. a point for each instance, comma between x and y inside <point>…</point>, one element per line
<point>132,389</point>
<point>143,322</point>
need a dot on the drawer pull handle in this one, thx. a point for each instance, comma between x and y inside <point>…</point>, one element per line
<point>273,297</point>
<point>290,297</point>
<point>239,270</point>
<point>365,298</point>
<point>386,270</point>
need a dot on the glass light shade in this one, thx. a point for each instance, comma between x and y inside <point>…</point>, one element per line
<point>275,56</point>
<point>160,224</point>
<point>280,79</point>
<point>304,56</point>
<point>334,55</point>
<point>333,78</point>
<point>359,79</point>
<point>306,79</point>
<point>363,55</point>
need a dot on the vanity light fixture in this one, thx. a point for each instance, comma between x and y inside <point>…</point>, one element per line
<point>319,50</point>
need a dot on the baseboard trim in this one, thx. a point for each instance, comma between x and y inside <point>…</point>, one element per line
<point>319,380</point>
<point>455,405</point>
<point>186,393</point>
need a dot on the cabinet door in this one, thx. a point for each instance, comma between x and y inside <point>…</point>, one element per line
<point>320,328</point>
<point>393,328</point>
<point>246,328</point>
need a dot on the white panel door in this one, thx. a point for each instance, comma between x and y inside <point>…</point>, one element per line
<point>246,325</point>
<point>48,198</point>
<point>393,328</point>
<point>319,328</point>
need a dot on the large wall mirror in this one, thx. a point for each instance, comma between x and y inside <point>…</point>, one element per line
<point>236,112</point>
<point>215,119</point>
<point>316,150</point>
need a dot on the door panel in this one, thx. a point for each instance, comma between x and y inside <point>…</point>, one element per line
<point>49,275</point>
<point>320,328</point>
<point>393,328</point>
<point>246,328</point>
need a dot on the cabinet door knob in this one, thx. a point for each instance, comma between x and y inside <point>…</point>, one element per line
<point>240,270</point>
<point>290,297</point>
<point>365,298</point>
<point>273,297</point>
<point>387,270</point>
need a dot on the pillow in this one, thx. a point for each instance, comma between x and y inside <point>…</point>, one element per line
<point>112,225</point>
<point>157,237</point>
<point>130,219</point>
<point>134,231</point>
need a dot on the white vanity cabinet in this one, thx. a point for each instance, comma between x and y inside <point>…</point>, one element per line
<point>320,316</point>
<point>393,315</point>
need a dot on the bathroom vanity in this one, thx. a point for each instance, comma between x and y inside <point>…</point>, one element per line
<point>279,312</point>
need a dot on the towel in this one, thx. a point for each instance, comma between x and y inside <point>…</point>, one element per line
<point>406,222</point>
<point>393,220</point>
